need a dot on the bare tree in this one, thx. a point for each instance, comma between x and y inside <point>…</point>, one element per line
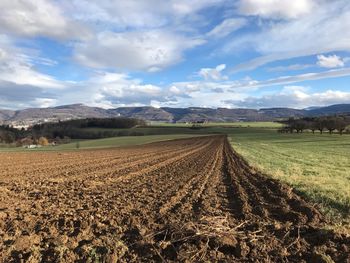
<point>341,125</point>
<point>331,124</point>
<point>300,125</point>
<point>312,125</point>
<point>320,124</point>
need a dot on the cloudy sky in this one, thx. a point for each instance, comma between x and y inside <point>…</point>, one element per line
<point>177,53</point>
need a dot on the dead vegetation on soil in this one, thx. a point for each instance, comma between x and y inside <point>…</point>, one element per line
<point>190,200</point>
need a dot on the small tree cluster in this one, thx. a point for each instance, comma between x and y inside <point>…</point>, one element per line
<point>75,128</point>
<point>321,124</point>
<point>9,134</point>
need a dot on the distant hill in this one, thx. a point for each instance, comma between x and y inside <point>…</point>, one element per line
<point>6,114</point>
<point>78,111</point>
<point>282,112</point>
<point>74,111</point>
<point>329,110</point>
<point>146,113</point>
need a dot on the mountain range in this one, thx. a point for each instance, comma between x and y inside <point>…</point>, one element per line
<point>75,111</point>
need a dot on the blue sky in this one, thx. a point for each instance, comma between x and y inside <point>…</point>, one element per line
<point>177,53</point>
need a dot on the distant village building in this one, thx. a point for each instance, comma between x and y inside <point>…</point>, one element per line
<point>20,127</point>
<point>32,146</point>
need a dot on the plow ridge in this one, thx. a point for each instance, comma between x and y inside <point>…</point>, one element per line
<point>188,200</point>
<point>190,187</point>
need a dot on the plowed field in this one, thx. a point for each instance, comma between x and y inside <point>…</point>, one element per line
<point>188,200</point>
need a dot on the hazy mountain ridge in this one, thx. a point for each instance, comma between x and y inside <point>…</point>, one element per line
<point>332,109</point>
<point>76,111</point>
<point>6,114</point>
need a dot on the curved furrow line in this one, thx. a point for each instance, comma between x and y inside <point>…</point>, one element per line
<point>239,202</point>
<point>102,168</point>
<point>48,188</point>
<point>212,199</point>
<point>200,203</point>
<point>168,174</point>
<point>49,159</point>
<point>123,164</point>
<point>168,161</point>
<point>191,190</point>
<point>152,191</point>
<point>55,199</point>
<point>260,206</point>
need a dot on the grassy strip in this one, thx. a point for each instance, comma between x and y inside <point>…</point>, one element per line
<point>256,124</point>
<point>106,143</point>
<point>123,141</point>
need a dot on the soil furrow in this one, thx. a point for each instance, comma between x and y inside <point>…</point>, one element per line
<point>189,200</point>
<point>191,188</point>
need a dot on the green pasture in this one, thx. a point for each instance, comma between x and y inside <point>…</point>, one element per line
<point>255,124</point>
<point>121,141</point>
<point>104,143</point>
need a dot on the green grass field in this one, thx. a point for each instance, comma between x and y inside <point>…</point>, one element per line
<point>121,141</point>
<point>317,166</point>
<point>105,143</point>
<point>253,124</point>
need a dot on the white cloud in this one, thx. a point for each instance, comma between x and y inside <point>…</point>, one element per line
<point>110,90</point>
<point>276,8</point>
<point>186,7</point>
<point>324,30</point>
<point>290,67</point>
<point>213,73</point>
<point>331,61</point>
<point>227,27</point>
<point>194,87</point>
<point>295,97</point>
<point>149,50</point>
<point>17,67</point>
<point>22,73</point>
<point>45,102</point>
<point>203,94</point>
<point>17,96</point>
<point>148,14</point>
<point>21,85</point>
<point>37,18</point>
<point>334,73</point>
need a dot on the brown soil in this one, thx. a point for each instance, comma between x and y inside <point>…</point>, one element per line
<point>190,200</point>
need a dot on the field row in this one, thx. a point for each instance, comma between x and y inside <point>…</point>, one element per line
<point>184,200</point>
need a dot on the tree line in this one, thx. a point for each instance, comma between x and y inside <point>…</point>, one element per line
<point>62,131</point>
<point>9,134</point>
<point>78,129</point>
<point>321,124</point>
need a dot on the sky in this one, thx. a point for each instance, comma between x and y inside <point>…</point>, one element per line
<point>174,53</point>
